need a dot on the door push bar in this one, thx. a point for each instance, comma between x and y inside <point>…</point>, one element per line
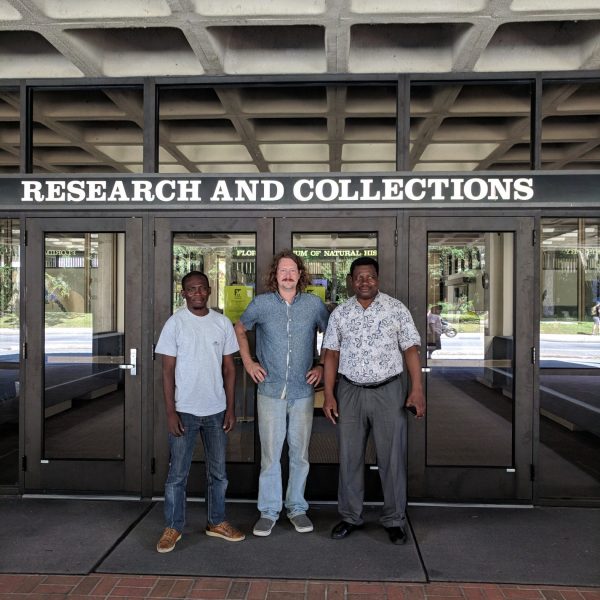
<point>132,365</point>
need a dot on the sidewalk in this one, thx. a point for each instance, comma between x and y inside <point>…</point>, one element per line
<point>97,587</point>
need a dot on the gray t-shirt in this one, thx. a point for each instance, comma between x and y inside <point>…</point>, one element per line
<point>198,343</point>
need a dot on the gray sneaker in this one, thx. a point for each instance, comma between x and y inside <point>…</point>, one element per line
<point>263,527</point>
<point>301,523</point>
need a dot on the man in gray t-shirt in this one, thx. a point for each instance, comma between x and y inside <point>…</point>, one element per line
<point>197,346</point>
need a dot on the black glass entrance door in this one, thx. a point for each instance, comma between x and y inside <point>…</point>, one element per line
<point>471,284</point>
<point>233,254</point>
<point>83,377</point>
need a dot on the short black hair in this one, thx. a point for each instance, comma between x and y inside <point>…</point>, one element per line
<point>364,261</point>
<point>193,274</point>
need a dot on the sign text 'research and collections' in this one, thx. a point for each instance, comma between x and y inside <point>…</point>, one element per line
<point>307,190</point>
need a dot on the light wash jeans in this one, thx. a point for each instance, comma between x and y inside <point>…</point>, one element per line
<point>214,440</point>
<point>277,417</point>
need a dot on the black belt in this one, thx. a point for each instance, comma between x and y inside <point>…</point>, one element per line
<point>372,386</point>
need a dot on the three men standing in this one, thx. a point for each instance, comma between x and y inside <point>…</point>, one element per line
<point>286,321</point>
<point>364,343</point>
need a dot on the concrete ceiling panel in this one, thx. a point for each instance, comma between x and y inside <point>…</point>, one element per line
<point>570,129</point>
<point>253,8</point>
<point>540,46</point>
<point>175,169</point>
<point>453,152</point>
<point>369,152</point>
<point>192,103</point>
<point>370,129</point>
<point>446,166</point>
<point>299,167</point>
<point>270,49</point>
<point>124,153</point>
<point>369,167</point>
<point>379,100</point>
<point>228,168</point>
<point>302,130</point>
<point>295,152</point>
<point>423,7</point>
<point>8,12</point>
<point>283,100</point>
<point>28,54</point>
<point>199,131</point>
<point>407,48</point>
<point>136,51</point>
<point>554,5</point>
<point>105,9</point>
<point>216,153</point>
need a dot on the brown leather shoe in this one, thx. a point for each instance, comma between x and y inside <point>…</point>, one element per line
<point>225,531</point>
<point>168,540</point>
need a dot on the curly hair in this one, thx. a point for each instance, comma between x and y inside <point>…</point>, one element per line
<point>271,279</point>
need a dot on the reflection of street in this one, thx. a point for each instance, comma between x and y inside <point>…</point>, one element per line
<point>560,347</point>
<point>64,340</point>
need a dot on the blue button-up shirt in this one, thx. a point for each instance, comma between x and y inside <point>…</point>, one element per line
<point>285,341</point>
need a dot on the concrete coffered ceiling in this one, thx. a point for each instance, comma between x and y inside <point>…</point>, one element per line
<point>320,128</point>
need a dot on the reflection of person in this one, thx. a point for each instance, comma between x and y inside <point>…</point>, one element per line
<point>197,346</point>
<point>286,320</point>
<point>364,342</point>
<point>434,330</point>
<point>596,318</point>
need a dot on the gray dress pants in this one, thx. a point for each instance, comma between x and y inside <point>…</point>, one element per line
<point>381,411</point>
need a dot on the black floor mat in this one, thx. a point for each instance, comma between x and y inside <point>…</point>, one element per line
<point>61,536</point>
<point>365,555</point>
<point>558,546</point>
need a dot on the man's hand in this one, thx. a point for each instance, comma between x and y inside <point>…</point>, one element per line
<point>315,375</point>
<point>229,421</point>
<point>330,408</point>
<point>174,424</point>
<point>256,372</point>
<point>417,399</point>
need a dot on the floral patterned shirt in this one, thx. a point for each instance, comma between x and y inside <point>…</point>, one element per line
<point>370,339</point>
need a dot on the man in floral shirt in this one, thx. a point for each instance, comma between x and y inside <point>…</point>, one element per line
<point>365,339</point>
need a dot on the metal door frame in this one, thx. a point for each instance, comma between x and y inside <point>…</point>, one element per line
<point>84,475</point>
<point>481,483</point>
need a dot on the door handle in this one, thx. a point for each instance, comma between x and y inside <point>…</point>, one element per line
<point>132,365</point>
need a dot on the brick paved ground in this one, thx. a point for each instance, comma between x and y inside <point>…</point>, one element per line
<point>119,587</point>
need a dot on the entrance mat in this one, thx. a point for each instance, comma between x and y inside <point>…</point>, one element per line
<point>546,545</point>
<point>62,536</point>
<point>285,554</point>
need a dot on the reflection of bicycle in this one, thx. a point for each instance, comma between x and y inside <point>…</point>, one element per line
<point>448,329</point>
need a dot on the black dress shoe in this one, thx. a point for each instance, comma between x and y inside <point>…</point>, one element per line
<point>396,535</point>
<point>343,529</point>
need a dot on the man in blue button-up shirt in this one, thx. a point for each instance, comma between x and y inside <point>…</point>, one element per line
<point>286,321</point>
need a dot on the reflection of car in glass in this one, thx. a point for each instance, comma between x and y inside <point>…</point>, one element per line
<point>448,329</point>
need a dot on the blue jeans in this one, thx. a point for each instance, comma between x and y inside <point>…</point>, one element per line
<point>277,417</point>
<point>214,440</point>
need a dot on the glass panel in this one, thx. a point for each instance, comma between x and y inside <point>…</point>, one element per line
<point>84,396</point>
<point>328,257</point>
<point>277,129</point>
<point>10,266</point>
<point>9,131</point>
<point>470,127</point>
<point>570,290</point>
<point>88,131</point>
<point>470,349</point>
<point>229,261</point>
<point>570,339</point>
<point>571,117</point>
